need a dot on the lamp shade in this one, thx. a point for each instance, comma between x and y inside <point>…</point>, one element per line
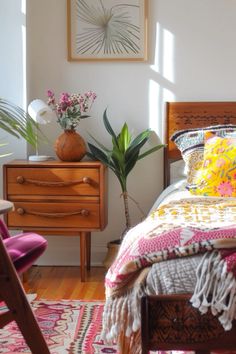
<point>40,112</point>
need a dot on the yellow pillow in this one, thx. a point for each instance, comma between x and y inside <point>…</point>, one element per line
<point>217,176</point>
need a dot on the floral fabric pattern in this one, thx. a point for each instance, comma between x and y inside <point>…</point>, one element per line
<point>217,176</point>
<point>191,145</point>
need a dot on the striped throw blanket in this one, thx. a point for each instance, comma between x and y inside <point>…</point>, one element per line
<point>177,229</point>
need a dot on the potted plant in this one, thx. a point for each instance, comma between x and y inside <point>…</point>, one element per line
<point>121,159</point>
<point>70,109</point>
<point>15,121</point>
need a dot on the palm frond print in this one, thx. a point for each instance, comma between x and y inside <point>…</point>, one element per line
<point>107,30</point>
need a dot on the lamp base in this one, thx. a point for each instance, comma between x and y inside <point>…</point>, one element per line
<point>38,158</point>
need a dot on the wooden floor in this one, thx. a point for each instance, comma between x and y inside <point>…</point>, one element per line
<point>54,283</point>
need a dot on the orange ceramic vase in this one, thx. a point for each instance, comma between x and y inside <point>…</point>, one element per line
<point>70,146</point>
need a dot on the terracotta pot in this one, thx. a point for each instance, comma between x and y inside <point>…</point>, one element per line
<point>70,146</point>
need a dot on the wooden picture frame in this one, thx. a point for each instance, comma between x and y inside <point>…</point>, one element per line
<point>107,30</point>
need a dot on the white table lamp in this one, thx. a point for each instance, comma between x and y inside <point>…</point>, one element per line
<point>42,114</point>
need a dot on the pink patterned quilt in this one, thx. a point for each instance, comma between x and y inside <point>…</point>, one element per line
<point>177,229</point>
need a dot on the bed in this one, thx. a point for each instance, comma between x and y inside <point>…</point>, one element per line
<point>155,299</point>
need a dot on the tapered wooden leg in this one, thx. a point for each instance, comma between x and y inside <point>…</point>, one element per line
<point>88,250</point>
<point>13,294</point>
<point>25,319</point>
<point>25,277</point>
<point>82,254</point>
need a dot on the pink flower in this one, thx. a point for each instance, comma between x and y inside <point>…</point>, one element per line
<point>64,98</point>
<point>225,189</point>
<point>50,93</point>
<point>220,162</point>
<point>220,150</point>
<point>91,94</point>
<point>71,107</point>
<point>206,163</point>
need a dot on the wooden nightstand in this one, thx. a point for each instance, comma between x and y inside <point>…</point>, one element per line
<point>58,198</point>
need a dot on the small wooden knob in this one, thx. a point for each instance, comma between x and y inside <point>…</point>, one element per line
<point>20,211</point>
<point>20,179</point>
<point>84,212</point>
<point>86,180</point>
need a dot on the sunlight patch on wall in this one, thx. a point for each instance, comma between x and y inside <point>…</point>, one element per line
<point>164,53</point>
<point>168,55</point>
<point>161,84</point>
<point>168,96</point>
<point>154,107</point>
<point>23,7</point>
<point>157,58</point>
<point>24,73</point>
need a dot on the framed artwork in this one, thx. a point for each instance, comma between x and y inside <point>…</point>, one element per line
<point>107,30</point>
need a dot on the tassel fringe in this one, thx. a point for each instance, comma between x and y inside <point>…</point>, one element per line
<point>122,318</point>
<point>215,289</point>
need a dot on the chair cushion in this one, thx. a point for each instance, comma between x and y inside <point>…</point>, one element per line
<point>24,249</point>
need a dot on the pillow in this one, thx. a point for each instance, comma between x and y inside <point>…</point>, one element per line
<point>191,145</point>
<point>217,176</point>
<point>177,171</point>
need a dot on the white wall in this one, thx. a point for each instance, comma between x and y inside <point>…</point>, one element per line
<point>191,57</point>
<point>12,69</point>
<point>122,87</point>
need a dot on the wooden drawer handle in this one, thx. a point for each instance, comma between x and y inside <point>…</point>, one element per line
<point>22,180</point>
<point>83,212</point>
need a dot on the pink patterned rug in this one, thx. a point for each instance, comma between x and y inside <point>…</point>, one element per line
<point>68,326</point>
<point>71,327</point>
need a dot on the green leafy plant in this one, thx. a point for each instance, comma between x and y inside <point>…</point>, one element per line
<point>122,157</point>
<point>15,121</point>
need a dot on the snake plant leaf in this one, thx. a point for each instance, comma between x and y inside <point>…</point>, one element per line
<point>131,163</point>
<point>123,155</point>
<point>103,147</point>
<point>98,154</point>
<point>118,154</point>
<point>124,138</point>
<point>134,148</point>
<point>140,138</point>
<point>150,151</point>
<point>108,127</point>
<point>84,116</point>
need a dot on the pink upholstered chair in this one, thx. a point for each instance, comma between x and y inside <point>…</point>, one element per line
<point>23,248</point>
<point>17,254</point>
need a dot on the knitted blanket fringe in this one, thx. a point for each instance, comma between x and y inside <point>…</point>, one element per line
<point>122,319</point>
<point>215,289</point>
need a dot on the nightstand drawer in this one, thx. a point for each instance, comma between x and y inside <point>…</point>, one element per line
<point>58,198</point>
<point>53,181</point>
<point>63,215</point>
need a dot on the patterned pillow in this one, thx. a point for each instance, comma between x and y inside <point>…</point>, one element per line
<point>217,176</point>
<point>191,145</point>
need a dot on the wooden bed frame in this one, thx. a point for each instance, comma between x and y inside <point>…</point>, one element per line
<point>169,322</point>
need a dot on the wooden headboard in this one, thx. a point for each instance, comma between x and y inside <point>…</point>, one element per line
<point>189,115</point>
